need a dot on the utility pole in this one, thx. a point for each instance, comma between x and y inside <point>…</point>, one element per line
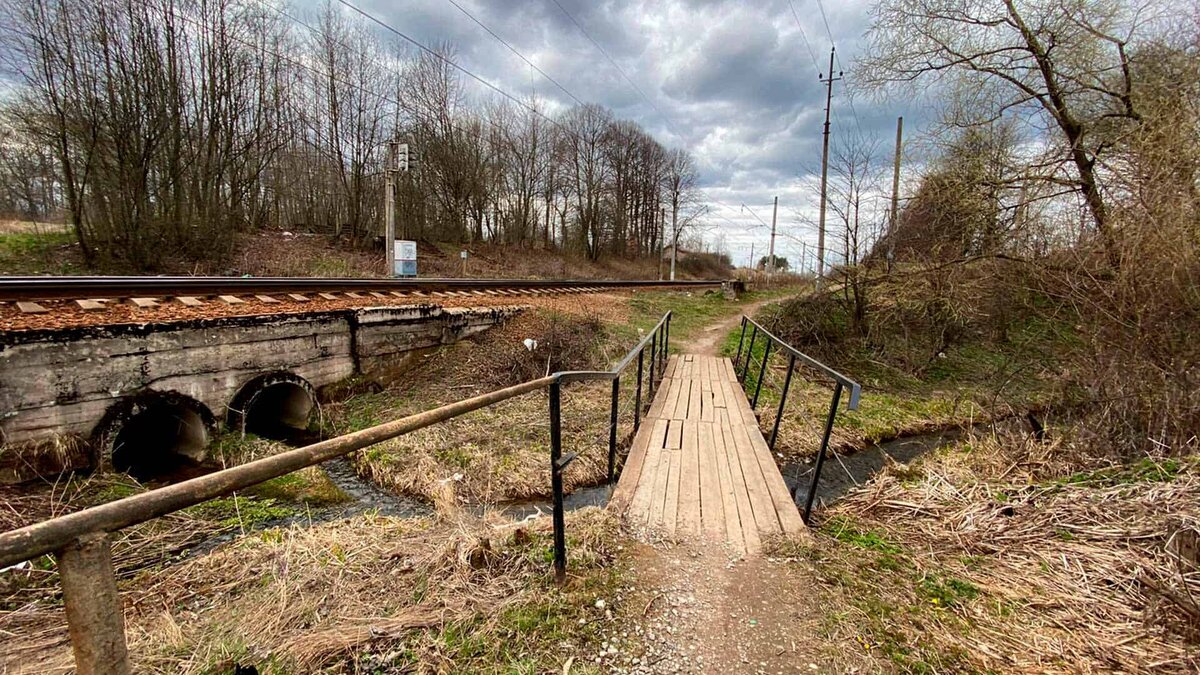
<point>674,238</point>
<point>662,238</point>
<point>828,82</point>
<point>751,266</point>
<point>389,209</point>
<point>771,252</point>
<point>803,257</point>
<point>891,250</point>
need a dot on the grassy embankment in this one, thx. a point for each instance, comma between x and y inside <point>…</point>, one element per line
<point>909,385</point>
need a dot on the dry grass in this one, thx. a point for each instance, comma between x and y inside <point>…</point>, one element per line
<point>502,452</point>
<point>370,594</point>
<point>1000,556</point>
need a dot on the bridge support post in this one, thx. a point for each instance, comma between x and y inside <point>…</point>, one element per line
<point>612,430</point>
<point>637,402</point>
<point>787,383</point>
<point>653,361</point>
<point>741,339</point>
<point>762,371</point>
<point>95,617</point>
<point>556,482</point>
<point>812,489</point>
<point>749,352</point>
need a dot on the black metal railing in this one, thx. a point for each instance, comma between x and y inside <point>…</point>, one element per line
<point>794,356</point>
<point>657,341</point>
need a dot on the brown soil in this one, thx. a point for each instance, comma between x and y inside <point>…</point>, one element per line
<point>697,609</point>
<point>707,342</point>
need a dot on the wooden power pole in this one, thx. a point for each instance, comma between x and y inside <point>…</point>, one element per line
<point>828,81</point>
<point>891,235</point>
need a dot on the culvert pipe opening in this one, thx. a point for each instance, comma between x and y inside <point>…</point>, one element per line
<point>162,441</point>
<point>280,411</point>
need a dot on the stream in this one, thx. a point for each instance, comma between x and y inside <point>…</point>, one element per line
<point>840,474</point>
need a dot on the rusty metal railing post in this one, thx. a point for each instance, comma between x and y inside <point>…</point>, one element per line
<point>556,482</point>
<point>95,618</point>
<point>741,339</point>
<point>787,382</point>
<point>761,372</point>
<point>653,360</point>
<point>637,403</point>
<point>612,430</point>
<point>812,490</point>
<point>749,353</point>
<point>666,345</point>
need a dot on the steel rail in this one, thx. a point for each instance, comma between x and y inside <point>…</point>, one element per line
<point>58,288</point>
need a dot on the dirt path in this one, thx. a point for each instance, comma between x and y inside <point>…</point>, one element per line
<point>707,341</point>
<point>696,607</point>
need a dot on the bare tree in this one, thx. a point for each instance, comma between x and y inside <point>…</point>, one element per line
<point>1062,64</point>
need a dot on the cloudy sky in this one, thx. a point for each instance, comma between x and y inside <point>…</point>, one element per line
<point>734,82</point>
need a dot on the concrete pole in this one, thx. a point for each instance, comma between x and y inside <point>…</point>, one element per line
<point>674,237</point>
<point>891,250</point>
<point>662,238</point>
<point>771,252</point>
<point>389,210</point>
<point>825,170</point>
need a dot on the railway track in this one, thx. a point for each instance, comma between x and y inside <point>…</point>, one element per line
<point>95,292</point>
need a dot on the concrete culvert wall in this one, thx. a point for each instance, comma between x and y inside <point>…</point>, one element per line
<point>155,436</point>
<point>276,405</point>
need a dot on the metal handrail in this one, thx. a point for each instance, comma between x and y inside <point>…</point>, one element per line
<point>840,383</point>
<point>658,340</point>
<point>82,547</point>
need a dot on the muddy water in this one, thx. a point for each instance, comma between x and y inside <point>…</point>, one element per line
<point>842,473</point>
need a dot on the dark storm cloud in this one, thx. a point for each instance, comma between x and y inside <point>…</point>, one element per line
<point>734,82</point>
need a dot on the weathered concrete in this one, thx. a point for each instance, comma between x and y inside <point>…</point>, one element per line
<point>57,383</point>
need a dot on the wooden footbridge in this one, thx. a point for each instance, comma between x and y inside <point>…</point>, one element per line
<point>700,467</point>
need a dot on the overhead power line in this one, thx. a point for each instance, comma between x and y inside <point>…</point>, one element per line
<point>804,36</point>
<point>514,51</point>
<point>448,61</point>
<point>613,61</point>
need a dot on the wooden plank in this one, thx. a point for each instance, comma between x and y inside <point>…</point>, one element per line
<point>785,506</point>
<point>631,474</point>
<point>693,412</point>
<point>718,394</point>
<point>189,301</point>
<point>747,528</point>
<point>765,516</point>
<point>689,481</point>
<point>681,404</point>
<point>674,439</point>
<point>727,488</point>
<point>712,510</point>
<point>707,409</point>
<point>670,513</point>
<point>644,496</point>
<point>658,492</point>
